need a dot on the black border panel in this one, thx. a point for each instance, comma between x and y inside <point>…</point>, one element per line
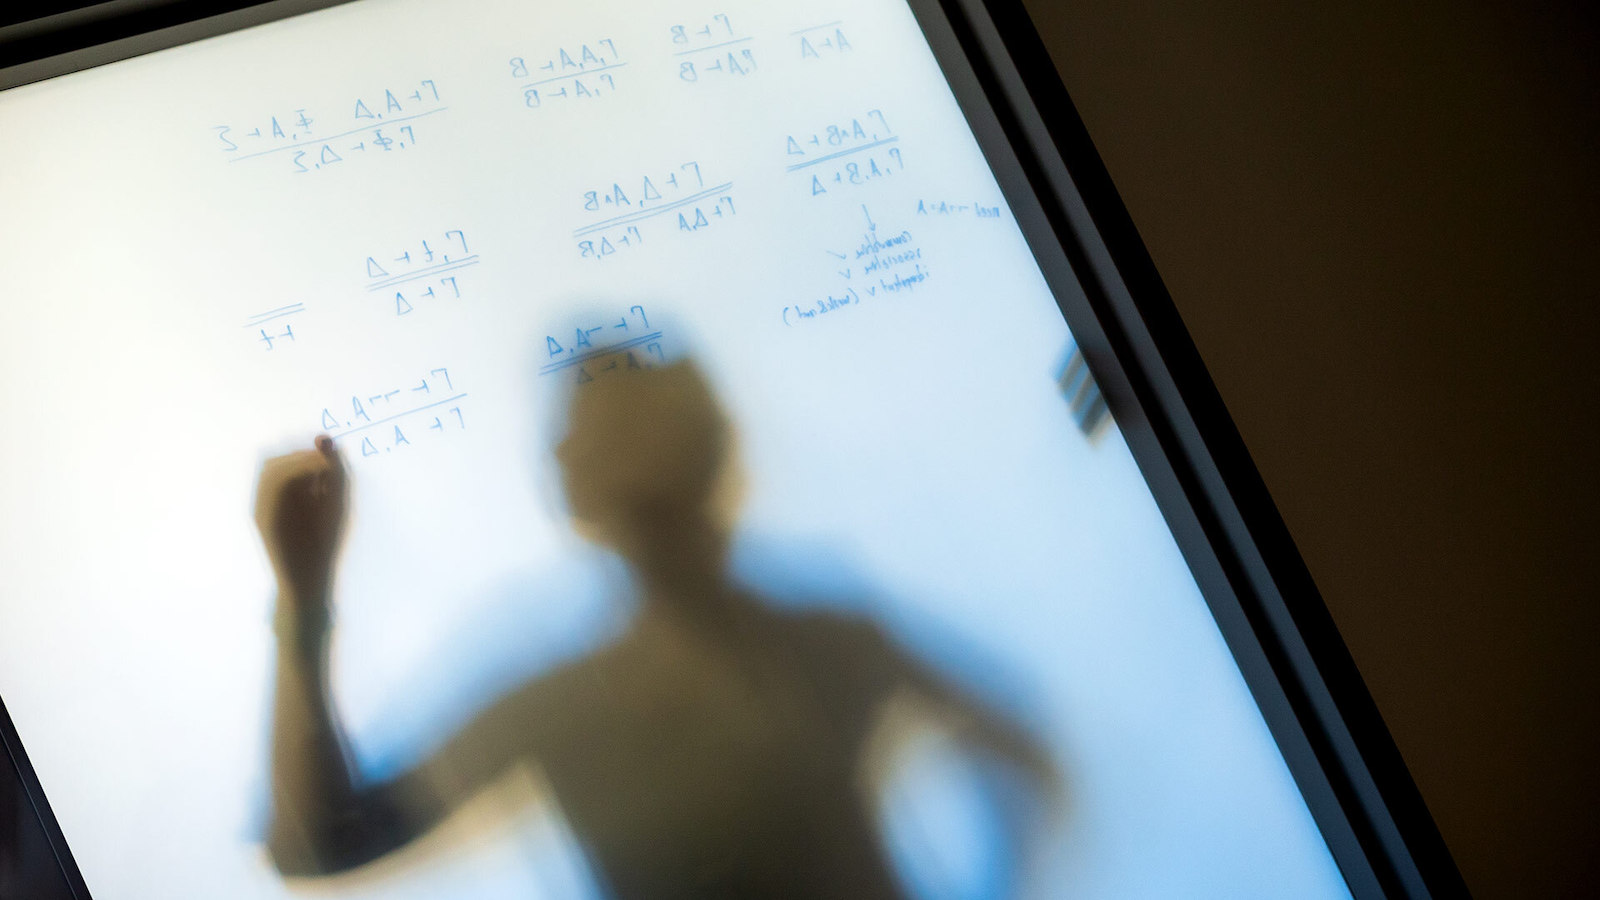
<point>31,800</point>
<point>102,23</point>
<point>1194,436</point>
<point>107,32</point>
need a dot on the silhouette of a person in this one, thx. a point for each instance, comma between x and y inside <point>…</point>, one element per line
<point>716,749</point>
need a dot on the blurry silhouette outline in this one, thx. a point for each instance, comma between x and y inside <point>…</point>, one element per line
<point>718,747</point>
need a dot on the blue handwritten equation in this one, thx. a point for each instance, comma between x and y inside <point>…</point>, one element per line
<point>623,211</point>
<point>269,321</point>
<point>421,273</point>
<point>591,350</point>
<point>586,71</point>
<point>881,264</point>
<point>390,419</point>
<point>385,121</point>
<point>822,41</point>
<point>845,154</point>
<point>712,49</point>
<point>957,209</point>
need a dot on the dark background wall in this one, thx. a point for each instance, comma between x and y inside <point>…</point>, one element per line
<point>1381,223</point>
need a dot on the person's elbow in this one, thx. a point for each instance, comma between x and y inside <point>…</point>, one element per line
<point>291,852</point>
<point>314,850</point>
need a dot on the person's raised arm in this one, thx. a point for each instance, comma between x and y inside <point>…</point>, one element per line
<point>974,723</point>
<point>325,816</point>
<point>300,511</point>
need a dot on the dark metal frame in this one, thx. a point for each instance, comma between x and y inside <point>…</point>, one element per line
<point>1258,588</point>
<point>32,800</point>
<point>1236,543</point>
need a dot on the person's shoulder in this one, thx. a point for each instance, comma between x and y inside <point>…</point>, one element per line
<point>838,629</point>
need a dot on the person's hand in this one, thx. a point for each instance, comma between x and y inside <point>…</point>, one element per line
<point>300,510</point>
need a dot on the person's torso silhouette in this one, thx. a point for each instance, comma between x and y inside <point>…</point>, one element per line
<point>716,749</point>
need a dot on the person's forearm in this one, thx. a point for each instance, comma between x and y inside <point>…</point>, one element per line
<point>313,785</point>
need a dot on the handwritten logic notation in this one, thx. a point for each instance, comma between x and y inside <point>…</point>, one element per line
<point>392,418</point>
<point>956,209</point>
<point>422,273</point>
<point>584,71</point>
<point>712,49</point>
<point>844,154</point>
<point>592,349</point>
<point>272,326</point>
<point>852,153</point>
<point>676,199</point>
<point>822,41</point>
<point>387,120</point>
<point>881,264</point>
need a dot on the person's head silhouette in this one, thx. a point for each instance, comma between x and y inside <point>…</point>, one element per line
<point>643,463</point>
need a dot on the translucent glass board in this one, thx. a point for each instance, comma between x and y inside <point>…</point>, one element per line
<point>414,226</point>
